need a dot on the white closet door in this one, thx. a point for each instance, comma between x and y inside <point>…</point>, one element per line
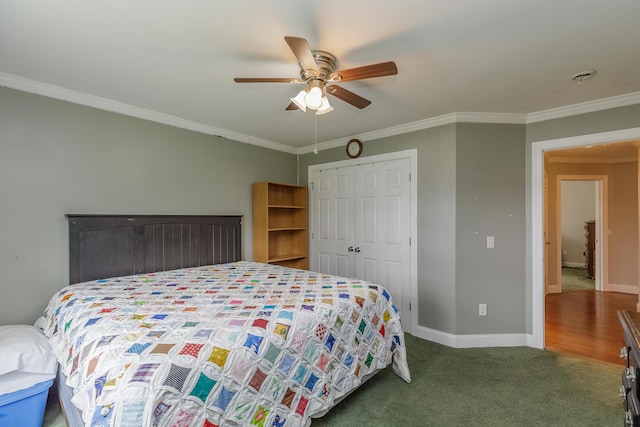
<point>382,228</point>
<point>362,225</point>
<point>332,219</point>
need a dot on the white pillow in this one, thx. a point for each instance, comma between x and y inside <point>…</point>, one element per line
<point>25,358</point>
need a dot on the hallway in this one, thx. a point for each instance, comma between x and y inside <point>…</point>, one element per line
<point>585,323</point>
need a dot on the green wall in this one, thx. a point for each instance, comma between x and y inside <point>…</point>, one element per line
<point>470,185</point>
<point>474,180</point>
<point>58,158</point>
<point>490,201</point>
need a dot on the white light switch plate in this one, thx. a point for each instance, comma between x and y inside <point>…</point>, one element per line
<point>490,242</point>
<point>482,309</point>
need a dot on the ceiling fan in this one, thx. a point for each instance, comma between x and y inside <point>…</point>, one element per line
<point>317,72</point>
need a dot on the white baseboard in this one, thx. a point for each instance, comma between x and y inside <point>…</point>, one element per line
<point>573,264</point>
<point>625,289</point>
<point>500,340</point>
<point>473,340</point>
<point>554,289</point>
<point>531,342</point>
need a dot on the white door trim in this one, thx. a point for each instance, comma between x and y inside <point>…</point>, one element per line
<point>411,154</point>
<point>537,214</point>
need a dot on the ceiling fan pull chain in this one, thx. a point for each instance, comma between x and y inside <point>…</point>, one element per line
<point>315,137</point>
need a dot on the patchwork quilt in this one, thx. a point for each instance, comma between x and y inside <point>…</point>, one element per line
<point>243,343</point>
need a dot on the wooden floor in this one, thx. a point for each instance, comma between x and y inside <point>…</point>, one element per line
<point>585,323</point>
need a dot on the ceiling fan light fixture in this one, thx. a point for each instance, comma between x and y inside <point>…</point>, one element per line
<point>313,99</point>
<point>299,100</point>
<point>325,107</point>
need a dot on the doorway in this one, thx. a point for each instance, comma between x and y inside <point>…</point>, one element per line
<point>537,243</point>
<point>578,206</point>
<point>598,211</point>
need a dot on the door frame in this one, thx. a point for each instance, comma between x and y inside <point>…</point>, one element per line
<point>536,243</point>
<point>602,218</point>
<point>412,155</point>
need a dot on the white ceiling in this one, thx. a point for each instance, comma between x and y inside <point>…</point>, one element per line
<point>174,61</point>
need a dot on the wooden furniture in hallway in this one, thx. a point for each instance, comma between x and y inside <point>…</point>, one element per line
<point>590,248</point>
<point>585,323</point>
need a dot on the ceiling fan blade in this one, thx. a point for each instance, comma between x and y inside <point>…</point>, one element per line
<point>348,96</point>
<point>265,80</point>
<point>302,51</point>
<point>292,106</point>
<point>366,72</point>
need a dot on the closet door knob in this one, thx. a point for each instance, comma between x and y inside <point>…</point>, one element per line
<point>630,374</point>
<point>357,249</point>
<point>350,248</point>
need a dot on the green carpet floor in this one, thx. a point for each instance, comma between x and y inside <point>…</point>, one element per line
<point>576,279</point>
<point>486,387</point>
<point>518,386</point>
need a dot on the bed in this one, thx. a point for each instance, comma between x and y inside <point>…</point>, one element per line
<point>167,326</point>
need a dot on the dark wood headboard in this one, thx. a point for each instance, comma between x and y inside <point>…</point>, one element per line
<point>103,246</point>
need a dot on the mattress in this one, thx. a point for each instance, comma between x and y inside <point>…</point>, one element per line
<point>242,343</point>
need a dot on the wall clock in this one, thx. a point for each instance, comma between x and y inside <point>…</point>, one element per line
<point>354,148</point>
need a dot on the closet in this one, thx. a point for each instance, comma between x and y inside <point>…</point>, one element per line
<point>361,224</point>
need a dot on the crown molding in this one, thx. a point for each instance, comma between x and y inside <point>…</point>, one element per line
<point>432,122</point>
<point>57,92</point>
<point>501,118</point>
<point>383,133</point>
<point>585,107</point>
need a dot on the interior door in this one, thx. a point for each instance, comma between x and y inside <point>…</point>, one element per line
<point>333,235</point>
<point>547,239</point>
<point>362,225</point>
<point>382,218</point>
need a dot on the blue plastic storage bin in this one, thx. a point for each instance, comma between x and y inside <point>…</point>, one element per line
<point>25,408</point>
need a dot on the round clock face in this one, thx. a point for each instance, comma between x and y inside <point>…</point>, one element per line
<point>354,148</point>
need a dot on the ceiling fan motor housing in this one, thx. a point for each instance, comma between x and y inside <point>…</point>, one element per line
<point>326,63</point>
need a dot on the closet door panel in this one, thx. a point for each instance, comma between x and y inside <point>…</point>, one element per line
<point>368,221</point>
<point>369,270</point>
<point>393,232</point>
<point>332,222</point>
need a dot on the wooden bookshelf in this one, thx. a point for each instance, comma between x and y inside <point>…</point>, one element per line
<point>280,224</point>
